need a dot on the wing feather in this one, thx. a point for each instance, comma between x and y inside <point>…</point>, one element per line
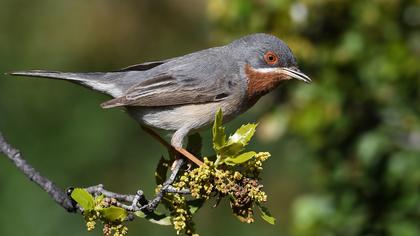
<point>195,79</point>
<point>143,66</point>
<point>180,84</point>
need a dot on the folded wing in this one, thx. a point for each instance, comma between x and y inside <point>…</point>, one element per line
<point>178,82</point>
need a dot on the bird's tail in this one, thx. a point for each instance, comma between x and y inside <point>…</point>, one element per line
<point>105,82</point>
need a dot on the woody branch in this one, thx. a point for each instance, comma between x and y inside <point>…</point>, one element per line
<point>131,203</point>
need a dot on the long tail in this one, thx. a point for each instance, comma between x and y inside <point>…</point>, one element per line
<point>105,82</point>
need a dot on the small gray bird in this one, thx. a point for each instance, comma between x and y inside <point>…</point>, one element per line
<point>182,94</point>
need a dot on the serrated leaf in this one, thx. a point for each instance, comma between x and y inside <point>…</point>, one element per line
<point>194,205</point>
<point>114,213</point>
<point>155,217</point>
<point>237,142</point>
<point>83,198</point>
<point>231,149</point>
<point>219,136</point>
<point>266,215</point>
<point>161,170</point>
<point>243,135</point>
<point>241,158</point>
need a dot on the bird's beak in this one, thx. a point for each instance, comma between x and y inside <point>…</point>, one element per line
<point>295,73</point>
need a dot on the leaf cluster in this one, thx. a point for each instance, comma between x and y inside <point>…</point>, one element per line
<point>102,209</point>
<point>233,173</point>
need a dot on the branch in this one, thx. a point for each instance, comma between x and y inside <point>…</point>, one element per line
<point>131,203</point>
<point>166,188</point>
<point>57,194</point>
<point>138,202</point>
<point>236,175</point>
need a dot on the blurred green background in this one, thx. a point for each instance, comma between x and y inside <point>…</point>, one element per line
<point>346,148</point>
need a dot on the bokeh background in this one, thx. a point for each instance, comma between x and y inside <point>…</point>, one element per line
<point>346,148</point>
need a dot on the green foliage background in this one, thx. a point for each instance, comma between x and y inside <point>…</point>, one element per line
<point>346,148</point>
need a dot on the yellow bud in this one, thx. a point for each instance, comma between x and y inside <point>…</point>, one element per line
<point>237,175</point>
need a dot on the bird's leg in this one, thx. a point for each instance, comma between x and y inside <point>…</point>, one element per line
<point>188,155</point>
<point>180,150</point>
<point>157,137</point>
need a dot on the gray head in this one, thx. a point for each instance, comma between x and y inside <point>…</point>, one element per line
<point>267,54</point>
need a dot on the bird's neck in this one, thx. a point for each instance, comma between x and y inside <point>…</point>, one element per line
<point>261,83</point>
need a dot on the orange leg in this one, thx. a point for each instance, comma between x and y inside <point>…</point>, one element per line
<point>180,150</point>
<point>190,156</point>
<point>157,137</point>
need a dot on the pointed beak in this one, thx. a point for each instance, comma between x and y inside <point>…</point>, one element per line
<point>295,73</point>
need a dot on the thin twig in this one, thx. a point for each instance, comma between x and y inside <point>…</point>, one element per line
<point>57,194</point>
<point>99,189</point>
<point>166,186</point>
<point>138,202</point>
<point>129,202</point>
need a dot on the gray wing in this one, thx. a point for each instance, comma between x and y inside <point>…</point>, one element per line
<point>188,80</point>
<point>144,66</point>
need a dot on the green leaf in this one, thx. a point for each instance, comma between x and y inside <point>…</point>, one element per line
<point>83,198</point>
<point>219,136</point>
<point>155,217</point>
<point>241,158</point>
<point>194,205</point>
<point>161,170</point>
<point>231,149</point>
<point>243,135</point>
<point>236,142</point>
<point>265,215</point>
<point>114,213</point>
<point>140,214</point>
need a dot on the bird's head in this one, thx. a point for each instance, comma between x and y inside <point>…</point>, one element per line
<point>267,61</point>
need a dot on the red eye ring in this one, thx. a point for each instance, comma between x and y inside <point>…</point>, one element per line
<point>271,58</point>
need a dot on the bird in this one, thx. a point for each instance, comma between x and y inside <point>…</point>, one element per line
<point>183,94</point>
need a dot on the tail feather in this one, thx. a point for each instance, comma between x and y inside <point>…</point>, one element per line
<point>50,74</point>
<point>100,81</point>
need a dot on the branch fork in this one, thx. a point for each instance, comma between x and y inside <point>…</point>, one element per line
<point>129,202</point>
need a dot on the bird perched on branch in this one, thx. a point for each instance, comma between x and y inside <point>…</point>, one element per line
<point>182,94</point>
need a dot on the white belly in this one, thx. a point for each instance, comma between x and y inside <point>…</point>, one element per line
<point>194,116</point>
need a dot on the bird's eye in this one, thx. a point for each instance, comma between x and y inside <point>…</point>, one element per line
<point>270,58</point>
